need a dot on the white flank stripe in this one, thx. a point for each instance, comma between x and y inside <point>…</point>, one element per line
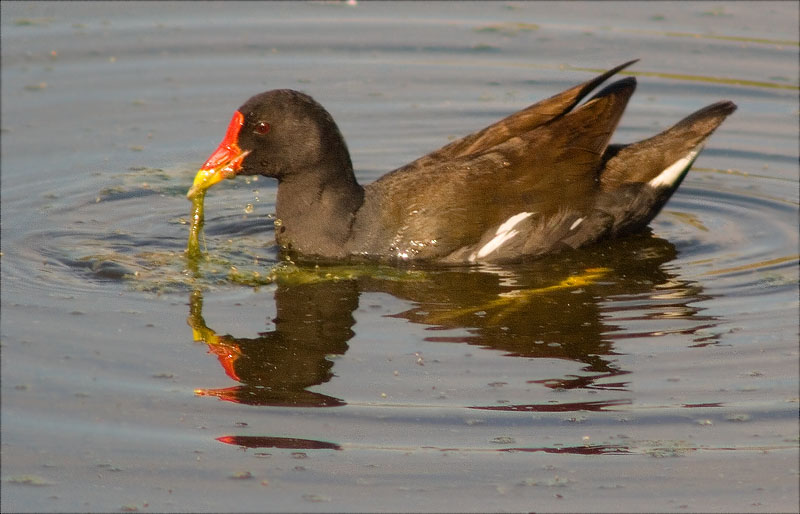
<point>504,233</point>
<point>512,222</point>
<point>576,223</point>
<point>496,243</point>
<point>671,174</point>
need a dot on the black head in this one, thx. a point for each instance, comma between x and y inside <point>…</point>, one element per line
<point>286,133</point>
<point>281,134</point>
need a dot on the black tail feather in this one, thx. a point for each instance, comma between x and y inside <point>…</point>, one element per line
<point>643,161</point>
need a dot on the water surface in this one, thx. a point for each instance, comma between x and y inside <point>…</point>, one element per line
<point>655,373</point>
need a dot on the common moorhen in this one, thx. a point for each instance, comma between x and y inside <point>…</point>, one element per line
<point>539,181</point>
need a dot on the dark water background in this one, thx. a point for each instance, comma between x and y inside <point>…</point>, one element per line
<point>657,373</point>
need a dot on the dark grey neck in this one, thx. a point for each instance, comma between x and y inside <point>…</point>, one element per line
<point>316,210</point>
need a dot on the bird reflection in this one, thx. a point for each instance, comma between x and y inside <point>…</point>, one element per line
<point>314,321</point>
<point>560,307</point>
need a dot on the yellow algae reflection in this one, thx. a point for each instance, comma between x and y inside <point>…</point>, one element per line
<point>512,301</point>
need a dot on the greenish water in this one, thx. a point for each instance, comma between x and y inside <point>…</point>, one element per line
<point>657,373</point>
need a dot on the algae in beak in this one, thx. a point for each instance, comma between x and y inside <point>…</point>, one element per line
<point>193,251</point>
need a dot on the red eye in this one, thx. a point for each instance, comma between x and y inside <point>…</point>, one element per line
<point>262,128</point>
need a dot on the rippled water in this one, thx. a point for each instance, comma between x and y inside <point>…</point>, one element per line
<point>656,373</point>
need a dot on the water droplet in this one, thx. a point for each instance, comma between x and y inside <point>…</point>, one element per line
<point>249,208</point>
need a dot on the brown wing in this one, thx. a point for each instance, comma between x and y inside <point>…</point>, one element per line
<point>455,201</point>
<point>520,122</point>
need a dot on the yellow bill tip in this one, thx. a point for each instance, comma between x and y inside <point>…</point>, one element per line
<point>204,179</point>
